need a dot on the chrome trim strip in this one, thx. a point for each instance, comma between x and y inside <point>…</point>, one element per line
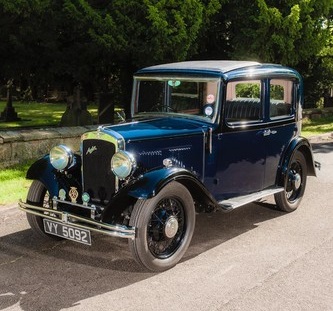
<point>171,76</point>
<point>115,138</point>
<point>232,203</point>
<point>210,140</point>
<point>120,231</point>
<point>55,201</point>
<point>101,134</point>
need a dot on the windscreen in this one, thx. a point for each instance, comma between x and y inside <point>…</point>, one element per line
<point>192,97</point>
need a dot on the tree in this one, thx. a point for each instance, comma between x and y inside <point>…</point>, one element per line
<point>95,44</point>
<point>319,70</point>
<point>289,32</point>
<point>23,41</point>
<point>152,32</point>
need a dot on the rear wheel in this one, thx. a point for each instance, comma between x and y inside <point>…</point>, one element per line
<point>294,184</point>
<point>38,196</point>
<point>165,225</point>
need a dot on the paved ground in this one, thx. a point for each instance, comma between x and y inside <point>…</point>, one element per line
<point>255,258</point>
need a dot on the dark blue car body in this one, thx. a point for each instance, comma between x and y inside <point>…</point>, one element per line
<point>225,132</point>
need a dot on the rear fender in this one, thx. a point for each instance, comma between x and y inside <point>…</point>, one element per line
<point>298,144</point>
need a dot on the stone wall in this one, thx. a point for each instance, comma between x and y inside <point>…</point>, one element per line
<point>22,145</point>
<point>317,113</point>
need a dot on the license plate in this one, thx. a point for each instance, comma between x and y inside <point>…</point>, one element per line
<point>67,232</point>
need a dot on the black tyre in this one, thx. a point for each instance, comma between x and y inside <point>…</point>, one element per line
<point>294,184</point>
<point>165,225</point>
<point>39,196</point>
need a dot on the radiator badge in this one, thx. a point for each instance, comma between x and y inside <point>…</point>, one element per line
<point>85,198</point>
<point>91,149</point>
<point>73,194</point>
<point>62,194</point>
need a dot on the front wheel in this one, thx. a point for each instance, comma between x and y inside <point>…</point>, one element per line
<point>165,225</point>
<point>294,184</point>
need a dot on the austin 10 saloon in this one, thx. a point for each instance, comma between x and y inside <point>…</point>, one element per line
<point>202,135</point>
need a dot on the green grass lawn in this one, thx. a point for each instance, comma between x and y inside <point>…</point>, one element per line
<point>317,126</point>
<point>14,186</point>
<point>39,114</point>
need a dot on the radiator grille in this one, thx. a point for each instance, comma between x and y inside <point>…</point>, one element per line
<point>98,179</point>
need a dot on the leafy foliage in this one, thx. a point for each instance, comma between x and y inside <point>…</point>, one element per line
<point>293,33</point>
<point>100,43</point>
<point>248,90</point>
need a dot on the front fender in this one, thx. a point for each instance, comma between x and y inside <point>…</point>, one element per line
<point>152,182</point>
<point>53,180</point>
<point>147,186</point>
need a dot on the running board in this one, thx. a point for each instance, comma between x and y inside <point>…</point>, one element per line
<point>232,203</point>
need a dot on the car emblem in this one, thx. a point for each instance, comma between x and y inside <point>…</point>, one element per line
<point>85,198</point>
<point>73,194</point>
<point>62,194</point>
<point>91,150</point>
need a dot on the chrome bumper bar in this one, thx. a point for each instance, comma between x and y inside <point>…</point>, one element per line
<point>120,231</point>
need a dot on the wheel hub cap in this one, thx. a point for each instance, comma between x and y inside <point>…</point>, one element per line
<point>171,227</point>
<point>296,181</point>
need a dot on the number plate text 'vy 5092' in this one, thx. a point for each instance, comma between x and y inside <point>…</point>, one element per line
<point>67,232</point>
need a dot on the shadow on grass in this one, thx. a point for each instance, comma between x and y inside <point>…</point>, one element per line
<point>35,114</point>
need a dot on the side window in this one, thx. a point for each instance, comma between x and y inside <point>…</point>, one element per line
<point>243,102</point>
<point>281,98</point>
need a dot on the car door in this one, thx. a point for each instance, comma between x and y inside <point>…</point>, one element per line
<point>239,154</point>
<point>281,125</point>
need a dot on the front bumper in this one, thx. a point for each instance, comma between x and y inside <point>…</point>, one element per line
<point>120,231</point>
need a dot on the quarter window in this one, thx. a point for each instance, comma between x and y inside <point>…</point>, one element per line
<point>281,98</point>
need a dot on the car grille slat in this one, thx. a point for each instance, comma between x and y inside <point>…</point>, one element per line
<point>98,179</point>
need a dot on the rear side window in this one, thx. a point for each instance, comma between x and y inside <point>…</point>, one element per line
<point>243,102</point>
<point>281,98</point>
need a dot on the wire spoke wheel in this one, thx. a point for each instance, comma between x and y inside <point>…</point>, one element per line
<point>164,227</point>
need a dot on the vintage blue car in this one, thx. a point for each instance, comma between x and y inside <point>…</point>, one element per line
<point>203,135</point>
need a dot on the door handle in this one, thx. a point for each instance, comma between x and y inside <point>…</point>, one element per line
<point>269,132</point>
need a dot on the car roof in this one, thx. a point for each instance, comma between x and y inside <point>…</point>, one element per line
<point>221,66</point>
<point>225,68</point>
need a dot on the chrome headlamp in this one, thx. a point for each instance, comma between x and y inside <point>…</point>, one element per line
<point>61,157</point>
<point>123,164</point>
